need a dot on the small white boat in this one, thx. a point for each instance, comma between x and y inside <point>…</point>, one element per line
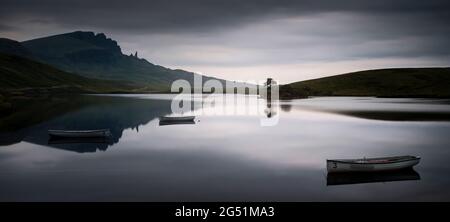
<point>80,133</point>
<point>176,118</point>
<point>372,164</point>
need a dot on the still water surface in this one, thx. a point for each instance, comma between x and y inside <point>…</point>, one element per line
<point>224,156</point>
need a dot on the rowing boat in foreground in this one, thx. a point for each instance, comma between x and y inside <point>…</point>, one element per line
<point>80,133</point>
<point>372,164</point>
<point>176,118</point>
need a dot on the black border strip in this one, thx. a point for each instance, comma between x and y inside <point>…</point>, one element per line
<point>334,211</point>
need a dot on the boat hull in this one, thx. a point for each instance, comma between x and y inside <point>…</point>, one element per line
<point>79,133</point>
<point>337,166</point>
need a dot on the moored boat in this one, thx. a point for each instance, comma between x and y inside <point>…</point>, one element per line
<point>80,133</point>
<point>372,164</point>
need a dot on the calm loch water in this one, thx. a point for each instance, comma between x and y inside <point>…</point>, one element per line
<point>226,155</point>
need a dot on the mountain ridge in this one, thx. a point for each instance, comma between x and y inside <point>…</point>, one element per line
<point>13,47</point>
<point>96,56</point>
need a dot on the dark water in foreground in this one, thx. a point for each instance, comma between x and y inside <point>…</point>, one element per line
<point>225,157</point>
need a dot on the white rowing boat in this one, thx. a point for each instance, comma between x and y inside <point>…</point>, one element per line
<point>372,164</point>
<point>80,133</point>
<point>176,118</point>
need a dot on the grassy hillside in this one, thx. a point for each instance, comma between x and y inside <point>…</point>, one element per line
<point>17,73</point>
<point>401,82</point>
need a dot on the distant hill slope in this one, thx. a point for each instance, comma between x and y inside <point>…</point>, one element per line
<point>400,82</point>
<point>96,56</point>
<point>12,47</point>
<point>18,73</point>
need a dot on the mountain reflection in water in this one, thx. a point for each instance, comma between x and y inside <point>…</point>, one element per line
<point>90,112</point>
<point>386,109</point>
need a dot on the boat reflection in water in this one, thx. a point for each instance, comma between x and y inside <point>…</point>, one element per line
<point>371,177</point>
<point>71,140</point>
<point>81,144</point>
<point>165,120</point>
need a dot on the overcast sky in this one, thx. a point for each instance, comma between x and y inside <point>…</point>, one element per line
<point>251,39</point>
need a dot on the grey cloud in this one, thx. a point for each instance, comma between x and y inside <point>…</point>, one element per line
<point>247,33</point>
<point>195,15</point>
<point>324,37</point>
<point>4,27</point>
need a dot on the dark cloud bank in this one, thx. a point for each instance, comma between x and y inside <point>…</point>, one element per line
<point>185,15</point>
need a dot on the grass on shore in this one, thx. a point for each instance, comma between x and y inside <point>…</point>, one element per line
<point>401,82</point>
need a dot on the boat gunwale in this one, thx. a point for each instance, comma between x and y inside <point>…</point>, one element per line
<point>349,161</point>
